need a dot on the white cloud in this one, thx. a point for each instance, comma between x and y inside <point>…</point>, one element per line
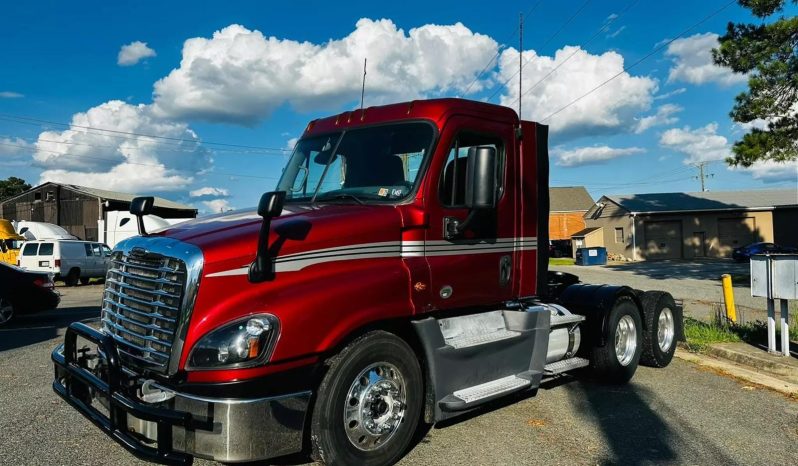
<point>692,62</point>
<point>592,155</point>
<point>289,145</point>
<point>771,171</point>
<point>133,53</point>
<point>209,192</point>
<point>241,76</point>
<point>10,95</point>
<point>700,144</point>
<point>609,109</point>
<point>14,146</point>
<point>217,205</point>
<point>670,94</point>
<point>615,34</point>
<point>664,116</point>
<point>123,162</point>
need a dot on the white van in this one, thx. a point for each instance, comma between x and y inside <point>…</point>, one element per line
<point>70,260</point>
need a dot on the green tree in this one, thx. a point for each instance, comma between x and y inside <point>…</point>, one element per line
<point>12,186</point>
<point>768,52</point>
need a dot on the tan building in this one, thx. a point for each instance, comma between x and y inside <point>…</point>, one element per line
<point>692,225</point>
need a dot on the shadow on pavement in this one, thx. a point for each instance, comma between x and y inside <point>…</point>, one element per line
<point>637,428</point>
<point>680,269</point>
<point>29,329</point>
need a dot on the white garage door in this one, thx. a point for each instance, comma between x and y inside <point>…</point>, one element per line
<point>663,240</point>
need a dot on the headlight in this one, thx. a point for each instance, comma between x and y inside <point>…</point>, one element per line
<point>242,343</point>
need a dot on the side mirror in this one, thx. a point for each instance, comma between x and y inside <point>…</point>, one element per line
<point>270,205</point>
<point>141,206</point>
<point>480,189</point>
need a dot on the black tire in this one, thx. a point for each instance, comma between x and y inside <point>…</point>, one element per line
<point>84,280</point>
<point>604,361</point>
<point>7,311</point>
<point>72,277</point>
<point>330,433</point>
<point>654,303</point>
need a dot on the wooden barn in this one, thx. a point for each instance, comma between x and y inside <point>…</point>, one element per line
<point>78,209</point>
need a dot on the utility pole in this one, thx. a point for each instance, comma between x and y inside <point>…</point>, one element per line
<point>701,175</point>
<point>363,89</point>
<point>520,61</point>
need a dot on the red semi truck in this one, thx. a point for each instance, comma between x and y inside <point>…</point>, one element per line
<point>397,276</point>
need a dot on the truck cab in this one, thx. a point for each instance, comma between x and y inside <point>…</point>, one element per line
<point>10,242</point>
<point>393,278</point>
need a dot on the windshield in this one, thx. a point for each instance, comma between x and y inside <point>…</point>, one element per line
<point>380,163</point>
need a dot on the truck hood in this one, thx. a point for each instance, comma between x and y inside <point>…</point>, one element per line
<point>229,241</point>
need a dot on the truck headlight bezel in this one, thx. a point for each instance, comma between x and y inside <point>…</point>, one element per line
<point>238,344</point>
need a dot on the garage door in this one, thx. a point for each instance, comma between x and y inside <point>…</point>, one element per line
<point>663,240</point>
<point>735,232</point>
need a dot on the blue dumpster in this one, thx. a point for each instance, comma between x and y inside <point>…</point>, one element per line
<point>591,256</point>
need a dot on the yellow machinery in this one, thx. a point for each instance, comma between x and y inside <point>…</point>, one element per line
<point>9,242</point>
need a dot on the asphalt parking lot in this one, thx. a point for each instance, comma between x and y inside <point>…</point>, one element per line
<point>677,415</point>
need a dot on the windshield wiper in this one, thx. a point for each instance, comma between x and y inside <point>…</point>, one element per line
<point>341,196</point>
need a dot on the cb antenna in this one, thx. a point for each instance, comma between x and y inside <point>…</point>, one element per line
<point>520,62</point>
<point>363,89</point>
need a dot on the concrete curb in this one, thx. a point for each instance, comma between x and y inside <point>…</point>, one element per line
<point>734,370</point>
<point>767,365</point>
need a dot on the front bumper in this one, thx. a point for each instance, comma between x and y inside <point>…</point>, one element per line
<point>175,430</point>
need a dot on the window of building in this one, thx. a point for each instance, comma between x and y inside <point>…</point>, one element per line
<point>50,196</point>
<point>619,235</point>
<point>453,178</point>
<point>37,196</point>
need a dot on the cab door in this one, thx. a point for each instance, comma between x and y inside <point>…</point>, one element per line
<point>477,267</point>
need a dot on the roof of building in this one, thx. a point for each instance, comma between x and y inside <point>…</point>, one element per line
<point>111,196</point>
<point>569,199</point>
<point>585,232</point>
<point>706,201</point>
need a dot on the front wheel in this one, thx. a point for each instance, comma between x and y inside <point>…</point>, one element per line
<point>368,404</point>
<point>6,311</point>
<point>617,360</point>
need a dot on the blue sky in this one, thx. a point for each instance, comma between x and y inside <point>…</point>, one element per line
<point>636,134</point>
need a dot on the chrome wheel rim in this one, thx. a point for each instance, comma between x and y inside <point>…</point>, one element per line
<point>375,406</point>
<point>665,329</point>
<point>625,340</point>
<point>6,311</point>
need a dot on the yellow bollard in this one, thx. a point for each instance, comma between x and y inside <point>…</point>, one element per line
<point>728,297</point>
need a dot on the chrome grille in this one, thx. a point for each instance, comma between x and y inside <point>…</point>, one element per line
<point>142,305</point>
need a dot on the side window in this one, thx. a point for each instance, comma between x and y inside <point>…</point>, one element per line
<point>106,251</point>
<point>30,249</point>
<point>46,249</point>
<point>88,249</point>
<point>453,178</point>
<point>96,250</point>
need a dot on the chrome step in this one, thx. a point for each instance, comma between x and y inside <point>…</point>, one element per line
<point>473,340</point>
<point>566,319</point>
<point>565,365</point>
<point>492,388</point>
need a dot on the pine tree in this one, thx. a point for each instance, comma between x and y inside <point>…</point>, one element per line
<point>768,52</point>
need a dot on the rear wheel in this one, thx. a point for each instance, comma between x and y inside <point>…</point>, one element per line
<point>6,311</point>
<point>616,361</point>
<point>368,404</point>
<point>663,327</point>
<point>72,277</point>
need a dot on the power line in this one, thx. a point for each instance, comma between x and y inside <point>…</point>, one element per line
<point>92,157</point>
<point>498,51</point>
<point>649,55</point>
<point>600,31</point>
<point>9,117</point>
<point>521,52</point>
